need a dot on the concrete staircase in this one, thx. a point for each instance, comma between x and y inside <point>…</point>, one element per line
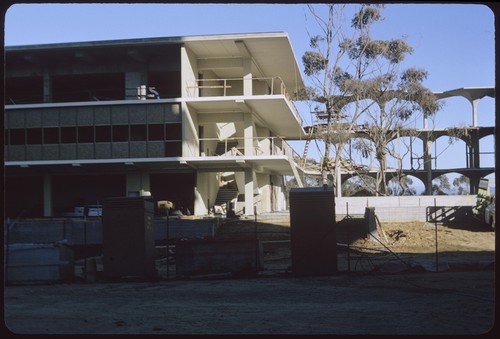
<point>225,195</point>
<point>225,146</point>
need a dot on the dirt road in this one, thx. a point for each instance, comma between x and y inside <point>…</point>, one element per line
<point>457,300</point>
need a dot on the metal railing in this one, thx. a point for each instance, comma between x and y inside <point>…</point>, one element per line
<point>235,147</point>
<point>234,86</point>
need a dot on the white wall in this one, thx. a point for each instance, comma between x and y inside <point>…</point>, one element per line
<point>207,186</point>
<point>412,208</point>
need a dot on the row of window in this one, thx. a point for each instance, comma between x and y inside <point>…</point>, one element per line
<point>90,134</point>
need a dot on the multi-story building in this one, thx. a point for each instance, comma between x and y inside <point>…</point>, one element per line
<point>183,119</point>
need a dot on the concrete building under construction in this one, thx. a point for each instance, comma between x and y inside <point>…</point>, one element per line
<point>201,121</point>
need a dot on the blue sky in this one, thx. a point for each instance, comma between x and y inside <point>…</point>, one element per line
<point>455,43</point>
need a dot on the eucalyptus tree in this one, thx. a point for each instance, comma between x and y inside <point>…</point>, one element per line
<point>358,86</point>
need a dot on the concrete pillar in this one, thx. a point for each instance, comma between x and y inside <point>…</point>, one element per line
<point>428,164</point>
<point>338,180</point>
<point>248,134</point>
<point>138,184</point>
<point>47,196</point>
<point>474,111</point>
<point>474,150</point>
<point>249,191</point>
<point>47,88</point>
<point>133,81</point>
<point>247,76</point>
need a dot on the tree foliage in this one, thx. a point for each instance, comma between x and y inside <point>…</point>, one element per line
<point>346,65</point>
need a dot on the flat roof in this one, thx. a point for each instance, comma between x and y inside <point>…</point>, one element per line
<point>272,51</point>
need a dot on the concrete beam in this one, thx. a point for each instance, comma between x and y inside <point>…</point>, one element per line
<point>219,63</point>
<point>213,118</point>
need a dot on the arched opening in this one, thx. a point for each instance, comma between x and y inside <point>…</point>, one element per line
<point>451,184</point>
<point>408,185</point>
<point>359,186</point>
<point>486,112</point>
<point>449,152</point>
<point>487,151</point>
<point>456,109</point>
<point>406,152</point>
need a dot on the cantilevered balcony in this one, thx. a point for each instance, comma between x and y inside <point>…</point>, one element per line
<point>267,98</point>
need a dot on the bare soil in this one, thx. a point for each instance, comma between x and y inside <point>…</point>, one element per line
<point>387,284</point>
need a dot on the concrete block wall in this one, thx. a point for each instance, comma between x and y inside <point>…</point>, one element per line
<point>405,208</point>
<point>35,263</point>
<point>80,232</point>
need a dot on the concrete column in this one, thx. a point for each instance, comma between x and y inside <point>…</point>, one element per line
<point>47,196</point>
<point>47,88</point>
<point>339,184</point>
<point>247,76</point>
<point>474,111</point>
<point>249,191</point>
<point>474,150</point>
<point>428,164</point>
<point>248,134</point>
<point>133,80</point>
<point>138,184</point>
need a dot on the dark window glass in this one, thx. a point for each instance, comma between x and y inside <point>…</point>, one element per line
<point>173,149</point>
<point>51,135</point>
<point>156,132</point>
<point>24,90</point>
<point>33,136</point>
<point>68,135</point>
<point>120,133</point>
<point>17,136</point>
<point>173,132</point>
<point>138,132</point>
<point>103,133</point>
<point>85,134</point>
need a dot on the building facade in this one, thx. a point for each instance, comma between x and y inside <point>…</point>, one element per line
<point>201,121</point>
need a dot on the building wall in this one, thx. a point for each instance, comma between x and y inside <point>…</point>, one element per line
<point>93,132</point>
<point>207,186</point>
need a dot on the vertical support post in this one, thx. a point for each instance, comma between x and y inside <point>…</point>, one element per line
<point>436,236</point>
<point>168,245</point>
<point>428,164</point>
<point>249,191</point>
<point>248,134</point>
<point>47,87</point>
<point>47,196</point>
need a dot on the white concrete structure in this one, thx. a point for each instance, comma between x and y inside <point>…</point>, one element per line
<point>79,128</point>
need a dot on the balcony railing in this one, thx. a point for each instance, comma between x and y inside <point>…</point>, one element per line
<point>234,86</point>
<point>235,147</point>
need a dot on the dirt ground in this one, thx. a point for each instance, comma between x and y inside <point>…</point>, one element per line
<point>386,284</point>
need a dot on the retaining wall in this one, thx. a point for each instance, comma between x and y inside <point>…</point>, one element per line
<point>406,208</point>
<point>80,232</point>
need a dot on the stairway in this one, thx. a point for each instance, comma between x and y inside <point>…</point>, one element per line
<point>226,194</point>
<point>225,146</point>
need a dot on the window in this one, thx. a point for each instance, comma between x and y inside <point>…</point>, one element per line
<point>138,132</point>
<point>103,133</point>
<point>68,135</point>
<point>17,136</point>
<point>85,134</point>
<point>156,132</point>
<point>173,149</point>
<point>33,136</point>
<point>173,132</point>
<point>88,87</point>
<point>120,133</point>
<point>51,135</point>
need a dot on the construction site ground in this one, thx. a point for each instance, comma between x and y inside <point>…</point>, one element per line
<point>386,284</point>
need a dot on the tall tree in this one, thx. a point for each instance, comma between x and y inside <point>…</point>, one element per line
<point>349,66</point>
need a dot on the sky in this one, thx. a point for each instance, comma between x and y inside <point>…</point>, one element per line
<point>455,43</point>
